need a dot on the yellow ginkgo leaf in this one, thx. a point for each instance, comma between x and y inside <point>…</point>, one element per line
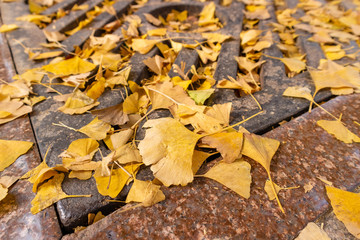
<point>339,131</point>
<point>8,27</point>
<point>346,206</point>
<point>215,37</point>
<point>200,96</point>
<point>235,175</point>
<point>248,65</point>
<point>145,192</point>
<point>312,232</point>
<point>3,192</point>
<point>44,55</point>
<point>11,150</point>
<point>157,32</point>
<point>165,94</point>
<point>262,150</point>
<point>113,184</point>
<point>113,115</point>
<point>229,144</point>
<point>96,129</point>
<point>70,66</point>
<point>143,46</point>
<point>298,92</point>
<point>78,103</point>
<point>45,174</point>
<point>198,158</point>
<point>207,15</point>
<point>49,193</point>
<point>293,64</point>
<point>168,147</point>
<point>250,35</point>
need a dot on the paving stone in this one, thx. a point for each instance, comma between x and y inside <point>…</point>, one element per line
<point>16,220</point>
<point>205,209</point>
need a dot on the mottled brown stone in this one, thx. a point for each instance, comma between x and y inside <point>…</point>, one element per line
<point>206,210</point>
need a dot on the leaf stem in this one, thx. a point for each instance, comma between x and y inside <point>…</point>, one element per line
<point>276,196</point>
<point>142,118</point>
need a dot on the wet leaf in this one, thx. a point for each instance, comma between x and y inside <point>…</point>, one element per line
<point>168,147</point>
<point>229,144</point>
<point>338,130</point>
<point>346,206</point>
<point>49,193</point>
<point>145,192</point>
<point>235,175</point>
<point>312,232</point>
<point>11,150</point>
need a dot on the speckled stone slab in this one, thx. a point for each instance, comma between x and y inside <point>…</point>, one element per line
<point>206,210</point>
<point>16,220</point>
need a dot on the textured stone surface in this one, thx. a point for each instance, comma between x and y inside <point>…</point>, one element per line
<point>206,210</point>
<point>16,220</point>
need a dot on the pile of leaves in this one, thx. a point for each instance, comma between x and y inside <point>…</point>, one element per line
<point>173,147</point>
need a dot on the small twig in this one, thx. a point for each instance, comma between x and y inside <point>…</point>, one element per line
<point>122,168</point>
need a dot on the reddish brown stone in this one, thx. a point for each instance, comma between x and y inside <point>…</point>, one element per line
<point>206,210</point>
<point>16,220</point>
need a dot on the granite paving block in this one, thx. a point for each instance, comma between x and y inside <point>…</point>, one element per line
<point>205,209</point>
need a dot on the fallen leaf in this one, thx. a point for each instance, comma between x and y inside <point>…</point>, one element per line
<point>235,175</point>
<point>168,147</point>
<point>200,96</point>
<point>262,150</point>
<point>216,37</point>
<point>198,158</point>
<point>151,19</point>
<point>229,144</point>
<point>113,184</point>
<point>113,115</point>
<point>78,103</point>
<point>10,151</point>
<point>298,92</point>
<point>346,206</point>
<point>96,129</point>
<point>338,130</point>
<point>157,32</point>
<point>54,36</point>
<point>143,46</point>
<point>3,192</point>
<point>308,186</point>
<point>145,192</point>
<point>312,232</point>
<point>165,94</point>
<point>121,138</point>
<point>8,27</point>
<point>70,66</point>
<point>250,35</point>
<point>49,193</point>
